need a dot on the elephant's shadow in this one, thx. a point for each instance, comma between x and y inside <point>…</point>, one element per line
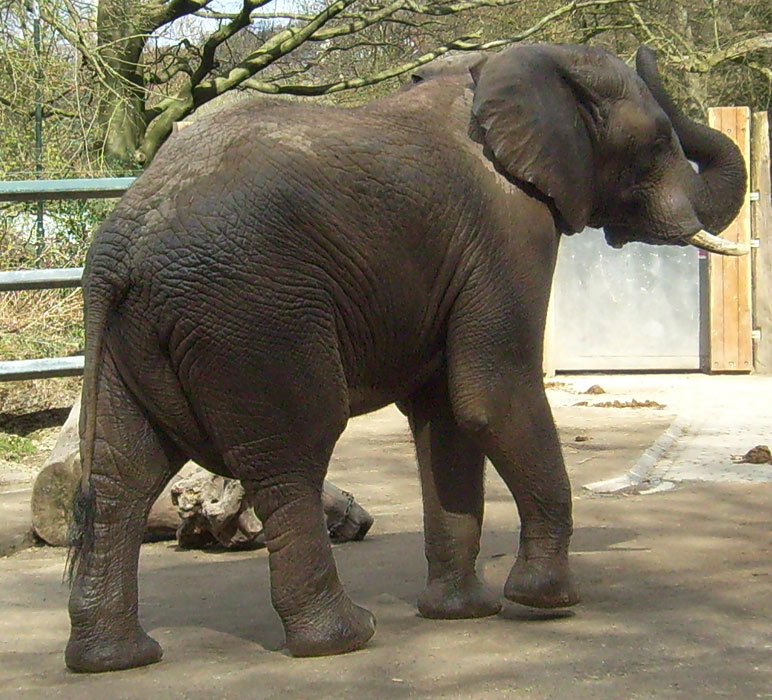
<point>229,592</point>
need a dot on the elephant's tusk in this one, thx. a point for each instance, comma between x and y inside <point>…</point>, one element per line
<point>715,244</point>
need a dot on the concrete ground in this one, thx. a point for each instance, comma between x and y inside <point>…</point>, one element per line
<point>676,584</point>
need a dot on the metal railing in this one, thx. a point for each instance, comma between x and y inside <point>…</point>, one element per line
<point>83,188</point>
<point>35,191</point>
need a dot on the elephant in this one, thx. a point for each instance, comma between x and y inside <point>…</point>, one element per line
<point>280,268</point>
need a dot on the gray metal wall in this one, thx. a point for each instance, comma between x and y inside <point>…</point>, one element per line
<point>637,308</point>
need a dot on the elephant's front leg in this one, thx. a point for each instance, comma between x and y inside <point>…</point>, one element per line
<point>513,424</point>
<point>497,393</point>
<point>451,468</point>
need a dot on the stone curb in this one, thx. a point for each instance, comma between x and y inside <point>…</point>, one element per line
<point>644,465</point>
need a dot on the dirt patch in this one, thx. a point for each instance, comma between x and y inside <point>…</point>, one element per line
<point>21,457</point>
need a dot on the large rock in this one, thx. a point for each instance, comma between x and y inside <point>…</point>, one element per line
<point>198,508</point>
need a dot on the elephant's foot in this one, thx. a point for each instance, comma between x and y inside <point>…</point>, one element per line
<point>445,599</point>
<point>88,655</point>
<point>347,627</point>
<point>541,583</point>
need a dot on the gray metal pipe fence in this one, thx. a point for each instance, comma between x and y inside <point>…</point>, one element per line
<point>15,280</point>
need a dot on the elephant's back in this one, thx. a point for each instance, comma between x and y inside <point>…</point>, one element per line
<point>337,198</point>
<point>336,219</point>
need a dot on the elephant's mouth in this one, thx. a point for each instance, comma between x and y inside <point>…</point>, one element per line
<point>616,237</point>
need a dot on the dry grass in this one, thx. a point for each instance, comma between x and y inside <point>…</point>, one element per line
<point>45,323</point>
<point>20,402</point>
<point>36,324</point>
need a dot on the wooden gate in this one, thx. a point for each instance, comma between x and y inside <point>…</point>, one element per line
<point>729,285</point>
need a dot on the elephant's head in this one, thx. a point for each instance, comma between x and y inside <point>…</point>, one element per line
<point>607,146</point>
<point>444,66</point>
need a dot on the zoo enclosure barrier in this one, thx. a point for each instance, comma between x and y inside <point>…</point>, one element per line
<point>17,280</point>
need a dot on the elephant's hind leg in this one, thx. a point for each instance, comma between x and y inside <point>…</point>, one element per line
<point>318,616</point>
<point>132,463</point>
<point>452,470</point>
<point>276,429</point>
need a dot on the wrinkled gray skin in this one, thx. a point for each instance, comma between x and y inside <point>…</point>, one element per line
<point>277,270</point>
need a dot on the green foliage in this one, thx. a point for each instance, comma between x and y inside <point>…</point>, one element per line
<point>14,447</point>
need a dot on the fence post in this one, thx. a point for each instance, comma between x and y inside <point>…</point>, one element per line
<point>761,223</point>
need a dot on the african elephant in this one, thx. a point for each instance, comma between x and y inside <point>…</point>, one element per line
<point>278,269</point>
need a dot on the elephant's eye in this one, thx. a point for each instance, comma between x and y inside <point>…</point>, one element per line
<point>662,143</point>
<point>416,78</point>
<point>663,133</point>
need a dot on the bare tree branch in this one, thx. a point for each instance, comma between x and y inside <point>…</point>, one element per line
<point>161,13</point>
<point>765,70</point>
<point>460,44</point>
<point>225,32</point>
<point>282,43</point>
<point>356,25</point>
<point>732,52</point>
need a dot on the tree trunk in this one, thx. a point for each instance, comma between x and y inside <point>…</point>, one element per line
<point>121,39</point>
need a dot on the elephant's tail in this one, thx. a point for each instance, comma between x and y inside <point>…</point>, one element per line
<point>100,294</point>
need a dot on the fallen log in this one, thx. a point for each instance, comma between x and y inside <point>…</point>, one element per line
<point>199,508</point>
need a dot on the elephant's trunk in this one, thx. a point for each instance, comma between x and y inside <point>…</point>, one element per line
<point>719,189</point>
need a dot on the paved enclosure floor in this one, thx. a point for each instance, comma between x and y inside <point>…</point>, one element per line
<point>676,586</point>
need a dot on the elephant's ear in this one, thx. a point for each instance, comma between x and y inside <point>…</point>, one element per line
<point>539,119</point>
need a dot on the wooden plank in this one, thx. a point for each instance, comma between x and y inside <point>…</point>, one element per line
<point>716,357</point>
<point>761,223</point>
<point>743,264</point>
<point>731,347</point>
